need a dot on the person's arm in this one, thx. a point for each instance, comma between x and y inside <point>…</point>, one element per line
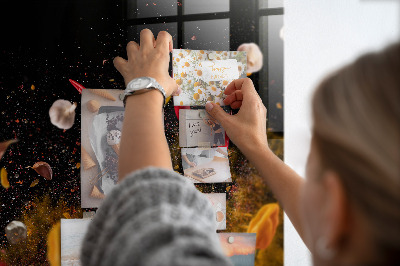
<point>247,129</point>
<point>192,164</point>
<point>143,141</point>
<point>147,218</point>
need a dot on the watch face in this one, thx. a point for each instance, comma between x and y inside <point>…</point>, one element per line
<point>140,83</point>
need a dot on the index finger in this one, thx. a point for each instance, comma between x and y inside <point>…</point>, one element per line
<point>164,41</point>
<point>244,84</point>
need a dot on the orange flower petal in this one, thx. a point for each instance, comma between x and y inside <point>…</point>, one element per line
<point>264,224</point>
<point>54,245</point>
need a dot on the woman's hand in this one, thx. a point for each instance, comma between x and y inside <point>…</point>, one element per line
<point>247,129</point>
<point>192,164</point>
<point>149,59</point>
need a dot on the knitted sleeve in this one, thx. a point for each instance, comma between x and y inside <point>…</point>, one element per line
<point>153,217</point>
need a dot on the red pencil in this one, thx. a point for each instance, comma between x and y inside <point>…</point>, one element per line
<point>77,86</point>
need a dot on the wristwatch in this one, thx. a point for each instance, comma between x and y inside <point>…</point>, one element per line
<point>141,85</point>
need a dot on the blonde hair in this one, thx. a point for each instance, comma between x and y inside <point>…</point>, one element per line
<point>356,114</point>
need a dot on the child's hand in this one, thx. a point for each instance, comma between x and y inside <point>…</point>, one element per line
<point>149,59</point>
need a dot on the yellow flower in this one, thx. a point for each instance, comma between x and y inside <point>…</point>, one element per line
<point>201,51</point>
<point>179,82</point>
<point>199,91</point>
<point>177,59</point>
<point>196,96</point>
<point>187,64</point>
<point>199,73</point>
<point>197,83</point>
<point>214,88</point>
<point>225,82</point>
<point>264,224</point>
<point>181,103</point>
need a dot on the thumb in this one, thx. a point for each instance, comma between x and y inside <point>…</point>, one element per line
<point>218,113</point>
<point>119,63</point>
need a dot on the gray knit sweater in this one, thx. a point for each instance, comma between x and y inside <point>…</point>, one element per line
<point>153,217</point>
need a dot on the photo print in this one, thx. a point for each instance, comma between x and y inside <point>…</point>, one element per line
<point>203,75</point>
<point>101,125</point>
<point>240,248</point>
<point>206,165</point>
<point>218,201</point>
<point>198,129</point>
<point>72,234</point>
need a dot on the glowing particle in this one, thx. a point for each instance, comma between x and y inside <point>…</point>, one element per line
<point>193,38</point>
<point>33,87</point>
<point>111,80</point>
<point>4,179</point>
<point>278,105</point>
<point>78,165</point>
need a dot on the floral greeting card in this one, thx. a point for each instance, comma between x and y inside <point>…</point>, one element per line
<point>204,75</point>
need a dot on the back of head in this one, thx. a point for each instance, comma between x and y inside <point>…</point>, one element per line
<point>356,115</point>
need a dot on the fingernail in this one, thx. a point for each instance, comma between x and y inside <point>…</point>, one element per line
<point>209,106</point>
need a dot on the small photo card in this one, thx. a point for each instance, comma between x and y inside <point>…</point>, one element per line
<point>198,129</point>
<point>72,233</point>
<point>240,248</point>
<point>206,165</point>
<point>218,201</point>
<point>102,115</point>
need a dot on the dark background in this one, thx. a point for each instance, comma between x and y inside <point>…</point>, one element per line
<point>45,43</point>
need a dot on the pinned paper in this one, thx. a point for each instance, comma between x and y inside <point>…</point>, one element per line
<point>218,201</point>
<point>204,75</point>
<point>240,248</point>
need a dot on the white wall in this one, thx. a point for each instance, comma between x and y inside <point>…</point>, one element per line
<point>320,36</point>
